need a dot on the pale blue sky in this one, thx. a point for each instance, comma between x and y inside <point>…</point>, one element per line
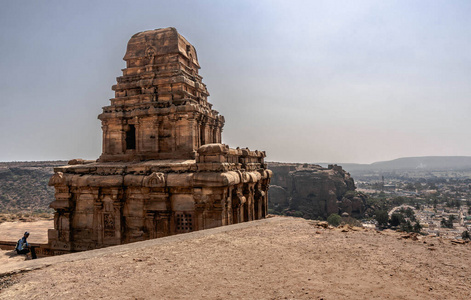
<point>307,81</point>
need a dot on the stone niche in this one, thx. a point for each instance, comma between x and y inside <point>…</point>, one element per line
<point>163,169</point>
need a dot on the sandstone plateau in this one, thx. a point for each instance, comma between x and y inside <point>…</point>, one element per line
<point>276,258</point>
<point>314,191</point>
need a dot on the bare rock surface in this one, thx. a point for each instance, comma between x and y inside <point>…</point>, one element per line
<point>278,258</point>
<point>314,191</point>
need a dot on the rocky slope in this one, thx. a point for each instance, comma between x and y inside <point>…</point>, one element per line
<point>23,186</point>
<point>312,191</point>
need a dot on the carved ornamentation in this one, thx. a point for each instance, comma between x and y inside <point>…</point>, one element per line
<point>154,180</point>
<point>163,169</point>
<point>57,179</point>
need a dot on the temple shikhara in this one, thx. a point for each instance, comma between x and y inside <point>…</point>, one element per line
<point>163,169</point>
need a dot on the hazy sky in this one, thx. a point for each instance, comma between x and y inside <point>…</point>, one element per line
<point>307,81</point>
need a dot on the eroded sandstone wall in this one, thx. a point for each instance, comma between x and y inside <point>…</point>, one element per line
<point>312,191</point>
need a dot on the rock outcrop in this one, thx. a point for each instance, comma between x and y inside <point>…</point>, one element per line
<point>312,191</point>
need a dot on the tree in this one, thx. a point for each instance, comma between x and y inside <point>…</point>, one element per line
<point>334,219</point>
<point>417,227</point>
<point>382,218</point>
<point>447,223</point>
<point>451,218</point>
<point>417,205</point>
<point>418,186</point>
<point>406,226</point>
<point>465,235</point>
<point>396,219</point>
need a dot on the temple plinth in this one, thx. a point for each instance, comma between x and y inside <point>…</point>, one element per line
<point>163,169</point>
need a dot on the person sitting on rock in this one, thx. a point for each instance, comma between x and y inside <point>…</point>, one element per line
<point>22,247</point>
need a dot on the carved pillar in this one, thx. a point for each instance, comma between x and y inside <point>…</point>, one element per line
<point>162,223</point>
<point>249,205</point>
<point>98,229</point>
<point>139,134</point>
<point>238,202</point>
<point>105,145</point>
<point>150,224</point>
<point>199,217</point>
<point>118,216</point>
<point>122,143</point>
<point>200,203</point>
<point>258,202</point>
<point>265,187</point>
<point>64,228</point>
<point>228,215</point>
<point>173,130</point>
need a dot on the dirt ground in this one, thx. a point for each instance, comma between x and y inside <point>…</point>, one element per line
<point>13,231</point>
<point>294,259</point>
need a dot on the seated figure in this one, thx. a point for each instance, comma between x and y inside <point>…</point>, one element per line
<point>22,246</point>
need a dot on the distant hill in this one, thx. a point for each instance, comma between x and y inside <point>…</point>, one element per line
<point>23,186</point>
<point>426,163</point>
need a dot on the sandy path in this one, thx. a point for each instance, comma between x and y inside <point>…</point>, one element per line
<point>286,260</point>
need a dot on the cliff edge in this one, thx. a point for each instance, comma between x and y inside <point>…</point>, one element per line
<point>311,191</point>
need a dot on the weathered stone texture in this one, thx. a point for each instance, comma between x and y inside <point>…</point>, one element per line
<point>313,190</point>
<point>163,169</point>
<point>160,109</point>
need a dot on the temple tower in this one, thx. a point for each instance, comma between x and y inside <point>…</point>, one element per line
<point>160,109</point>
<point>163,169</point>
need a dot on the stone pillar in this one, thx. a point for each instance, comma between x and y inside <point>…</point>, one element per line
<point>98,222</point>
<point>105,143</point>
<point>258,202</point>
<point>118,214</point>
<point>150,223</point>
<point>162,222</point>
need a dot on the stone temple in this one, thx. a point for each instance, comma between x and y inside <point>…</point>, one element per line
<point>163,169</point>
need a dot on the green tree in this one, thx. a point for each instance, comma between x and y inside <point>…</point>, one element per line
<point>417,227</point>
<point>465,235</point>
<point>451,218</point>
<point>418,186</point>
<point>406,226</point>
<point>396,219</point>
<point>447,223</point>
<point>382,218</point>
<point>334,220</point>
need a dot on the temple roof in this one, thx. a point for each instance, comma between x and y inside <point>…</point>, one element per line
<point>159,42</point>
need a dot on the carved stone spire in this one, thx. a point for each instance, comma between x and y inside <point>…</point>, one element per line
<point>160,109</point>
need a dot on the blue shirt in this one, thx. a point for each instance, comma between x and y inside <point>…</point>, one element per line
<point>22,243</point>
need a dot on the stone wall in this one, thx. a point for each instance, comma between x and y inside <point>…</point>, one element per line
<point>101,204</point>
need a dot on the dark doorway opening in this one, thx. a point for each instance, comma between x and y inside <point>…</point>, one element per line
<point>202,136</point>
<point>131,138</point>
